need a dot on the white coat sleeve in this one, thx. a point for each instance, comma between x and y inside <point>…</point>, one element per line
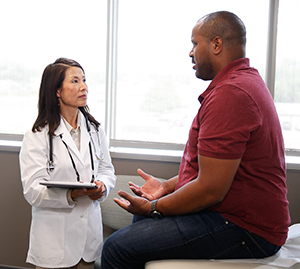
<point>33,164</point>
<point>106,172</point>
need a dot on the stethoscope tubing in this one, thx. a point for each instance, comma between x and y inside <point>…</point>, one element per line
<point>101,157</point>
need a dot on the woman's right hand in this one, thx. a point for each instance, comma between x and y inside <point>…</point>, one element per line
<point>151,190</point>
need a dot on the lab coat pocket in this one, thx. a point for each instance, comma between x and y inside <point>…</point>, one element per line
<point>47,236</point>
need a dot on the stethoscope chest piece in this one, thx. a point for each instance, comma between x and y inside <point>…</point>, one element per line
<point>50,166</point>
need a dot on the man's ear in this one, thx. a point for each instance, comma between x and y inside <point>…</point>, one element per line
<point>217,44</point>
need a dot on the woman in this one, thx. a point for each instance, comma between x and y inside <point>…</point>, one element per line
<point>65,143</point>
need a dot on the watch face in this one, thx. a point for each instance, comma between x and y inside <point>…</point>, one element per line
<point>156,215</point>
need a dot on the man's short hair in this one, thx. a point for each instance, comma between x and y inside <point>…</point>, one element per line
<point>224,24</point>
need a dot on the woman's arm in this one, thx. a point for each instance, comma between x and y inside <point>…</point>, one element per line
<point>105,171</point>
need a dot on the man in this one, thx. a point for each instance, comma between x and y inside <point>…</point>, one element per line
<point>229,199</point>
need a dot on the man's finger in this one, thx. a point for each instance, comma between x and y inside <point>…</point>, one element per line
<point>137,191</point>
<point>143,174</point>
<point>122,203</point>
<point>125,195</point>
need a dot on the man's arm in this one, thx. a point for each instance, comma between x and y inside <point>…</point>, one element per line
<point>210,187</point>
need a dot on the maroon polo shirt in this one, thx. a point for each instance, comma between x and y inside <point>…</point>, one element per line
<point>237,119</point>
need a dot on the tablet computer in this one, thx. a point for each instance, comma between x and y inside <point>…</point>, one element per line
<point>68,184</point>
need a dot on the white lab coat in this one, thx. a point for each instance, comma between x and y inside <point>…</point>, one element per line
<point>62,233</point>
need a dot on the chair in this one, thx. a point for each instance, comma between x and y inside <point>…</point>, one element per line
<point>113,215</point>
<point>201,264</point>
<point>287,257</point>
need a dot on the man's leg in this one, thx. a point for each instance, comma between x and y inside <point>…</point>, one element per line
<point>203,235</point>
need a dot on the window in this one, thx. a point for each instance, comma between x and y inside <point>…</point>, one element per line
<point>34,34</point>
<point>287,82</point>
<point>157,91</point>
<point>136,56</point>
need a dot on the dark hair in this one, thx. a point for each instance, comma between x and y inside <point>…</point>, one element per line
<point>226,25</point>
<point>48,105</point>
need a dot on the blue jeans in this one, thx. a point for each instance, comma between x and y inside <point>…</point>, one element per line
<point>204,235</point>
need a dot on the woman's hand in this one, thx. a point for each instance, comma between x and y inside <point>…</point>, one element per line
<point>151,190</point>
<point>99,192</point>
<point>94,194</point>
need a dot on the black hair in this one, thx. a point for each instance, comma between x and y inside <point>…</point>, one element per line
<point>225,24</point>
<point>48,105</point>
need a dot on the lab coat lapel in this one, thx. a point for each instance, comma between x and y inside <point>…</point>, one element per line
<point>67,138</point>
<point>84,136</point>
<point>61,129</point>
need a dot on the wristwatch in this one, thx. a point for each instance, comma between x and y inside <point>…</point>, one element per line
<point>154,213</point>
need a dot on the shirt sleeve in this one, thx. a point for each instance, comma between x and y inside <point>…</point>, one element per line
<point>228,117</point>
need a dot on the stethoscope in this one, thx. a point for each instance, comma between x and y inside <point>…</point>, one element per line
<point>91,142</point>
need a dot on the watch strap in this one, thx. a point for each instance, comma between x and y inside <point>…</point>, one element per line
<point>154,212</point>
<point>153,205</point>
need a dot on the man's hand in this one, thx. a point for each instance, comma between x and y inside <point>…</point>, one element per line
<point>135,205</point>
<point>151,190</point>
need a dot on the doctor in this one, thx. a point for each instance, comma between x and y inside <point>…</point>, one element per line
<point>66,227</point>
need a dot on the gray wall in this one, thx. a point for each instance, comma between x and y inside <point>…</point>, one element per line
<point>15,213</point>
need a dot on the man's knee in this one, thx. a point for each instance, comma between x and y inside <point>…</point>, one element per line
<point>108,246</point>
<point>113,246</point>
<point>114,253</point>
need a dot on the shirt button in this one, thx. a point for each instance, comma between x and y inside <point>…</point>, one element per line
<point>81,216</point>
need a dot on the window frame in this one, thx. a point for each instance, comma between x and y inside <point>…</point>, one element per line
<point>112,76</point>
<point>145,149</point>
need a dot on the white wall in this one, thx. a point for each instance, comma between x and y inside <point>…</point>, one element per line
<point>15,213</point>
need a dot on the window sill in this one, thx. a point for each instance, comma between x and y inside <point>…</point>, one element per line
<point>10,146</point>
<point>293,162</point>
<point>160,155</point>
